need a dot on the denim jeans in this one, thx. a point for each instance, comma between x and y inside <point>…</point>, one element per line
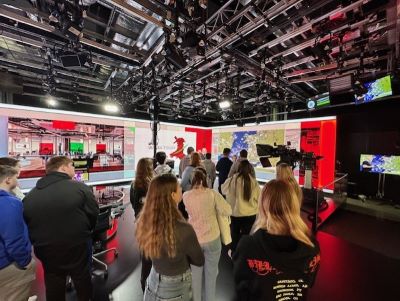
<point>205,278</point>
<point>168,288</point>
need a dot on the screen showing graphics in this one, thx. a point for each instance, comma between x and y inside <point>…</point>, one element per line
<point>81,176</point>
<point>323,101</point>
<point>380,164</point>
<point>106,147</point>
<point>173,142</point>
<point>312,135</point>
<point>379,88</point>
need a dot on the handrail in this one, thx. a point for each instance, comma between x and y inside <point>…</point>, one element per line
<point>319,190</point>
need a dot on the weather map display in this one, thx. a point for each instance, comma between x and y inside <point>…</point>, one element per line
<point>379,88</point>
<point>380,164</point>
<point>317,136</point>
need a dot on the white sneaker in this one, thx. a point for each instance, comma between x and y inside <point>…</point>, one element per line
<point>32,298</point>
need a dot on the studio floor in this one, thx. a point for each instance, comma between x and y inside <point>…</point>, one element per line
<point>360,260</point>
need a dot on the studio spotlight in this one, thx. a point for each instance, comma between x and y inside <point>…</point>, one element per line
<point>51,101</point>
<point>111,108</point>
<point>225,104</point>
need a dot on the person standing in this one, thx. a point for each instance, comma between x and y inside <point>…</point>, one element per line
<point>242,192</point>
<point>195,161</point>
<point>139,188</point>
<point>203,205</point>
<point>185,161</point>
<point>17,268</point>
<point>210,169</point>
<point>61,214</point>
<point>143,175</point>
<point>223,167</point>
<point>280,255</point>
<point>169,241</point>
<point>162,167</point>
<point>285,172</point>
<point>16,165</point>
<point>235,166</point>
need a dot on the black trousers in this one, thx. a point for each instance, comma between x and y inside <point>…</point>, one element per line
<point>65,260</point>
<point>145,272</point>
<point>240,226</point>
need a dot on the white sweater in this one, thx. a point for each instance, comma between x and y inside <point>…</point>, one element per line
<point>202,205</point>
<point>234,195</point>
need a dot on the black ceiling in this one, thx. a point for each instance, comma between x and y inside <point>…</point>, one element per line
<point>187,56</point>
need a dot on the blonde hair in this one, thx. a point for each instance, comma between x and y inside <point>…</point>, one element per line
<point>285,173</point>
<point>156,222</point>
<point>279,212</point>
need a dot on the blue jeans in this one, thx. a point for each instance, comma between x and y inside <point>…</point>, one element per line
<point>168,288</point>
<point>205,278</point>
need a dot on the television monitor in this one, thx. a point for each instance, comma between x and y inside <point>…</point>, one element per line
<point>323,101</point>
<point>379,88</point>
<point>380,164</point>
<point>81,176</point>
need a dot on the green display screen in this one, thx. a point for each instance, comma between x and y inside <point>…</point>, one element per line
<point>76,147</point>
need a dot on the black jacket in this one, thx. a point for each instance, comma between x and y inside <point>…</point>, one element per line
<point>136,198</point>
<point>272,267</point>
<point>223,167</point>
<point>59,211</point>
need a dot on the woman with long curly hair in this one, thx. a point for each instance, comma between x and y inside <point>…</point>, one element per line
<point>139,187</point>
<point>168,240</point>
<point>242,192</point>
<point>281,255</point>
<point>285,173</point>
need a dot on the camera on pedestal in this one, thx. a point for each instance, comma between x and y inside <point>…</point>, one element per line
<point>307,162</point>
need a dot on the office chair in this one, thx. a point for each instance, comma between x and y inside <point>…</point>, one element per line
<point>100,235</point>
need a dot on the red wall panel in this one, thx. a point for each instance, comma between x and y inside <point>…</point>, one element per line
<point>203,138</point>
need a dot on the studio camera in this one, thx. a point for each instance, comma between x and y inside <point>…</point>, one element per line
<point>290,156</point>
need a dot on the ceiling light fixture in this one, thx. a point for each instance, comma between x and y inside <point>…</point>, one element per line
<point>51,101</point>
<point>225,104</point>
<point>111,108</point>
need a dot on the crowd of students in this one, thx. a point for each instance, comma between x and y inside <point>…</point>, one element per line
<point>178,230</point>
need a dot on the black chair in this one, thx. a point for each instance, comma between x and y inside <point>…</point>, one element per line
<point>100,238</point>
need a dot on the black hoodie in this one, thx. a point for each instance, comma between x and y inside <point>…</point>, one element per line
<point>274,268</point>
<point>60,211</point>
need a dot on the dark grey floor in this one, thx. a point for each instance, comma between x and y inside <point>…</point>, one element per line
<point>359,261</point>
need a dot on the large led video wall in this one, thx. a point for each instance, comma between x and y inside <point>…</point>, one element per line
<point>307,135</point>
<point>110,145</point>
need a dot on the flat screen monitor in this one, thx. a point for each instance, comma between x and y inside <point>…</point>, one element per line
<point>81,176</point>
<point>380,164</point>
<point>379,88</point>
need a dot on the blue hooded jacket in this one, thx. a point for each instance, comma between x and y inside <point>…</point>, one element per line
<point>14,239</point>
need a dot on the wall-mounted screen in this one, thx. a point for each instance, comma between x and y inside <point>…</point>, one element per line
<point>379,88</point>
<point>308,135</point>
<point>110,146</point>
<point>380,164</point>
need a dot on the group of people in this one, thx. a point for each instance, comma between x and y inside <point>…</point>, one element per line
<point>57,217</point>
<point>178,230</point>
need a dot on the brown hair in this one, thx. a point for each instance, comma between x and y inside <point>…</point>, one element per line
<point>9,161</point>
<point>7,171</point>
<point>279,212</point>
<point>244,172</point>
<point>156,222</point>
<point>144,174</point>
<point>195,159</point>
<point>199,177</point>
<point>285,173</point>
<point>56,162</point>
